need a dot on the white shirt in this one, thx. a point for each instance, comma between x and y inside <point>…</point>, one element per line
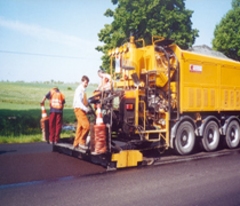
<point>103,85</point>
<point>106,86</point>
<point>78,98</point>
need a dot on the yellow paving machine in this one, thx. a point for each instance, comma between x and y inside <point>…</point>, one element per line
<point>163,97</point>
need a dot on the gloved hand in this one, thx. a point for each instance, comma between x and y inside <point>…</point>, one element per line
<point>87,110</point>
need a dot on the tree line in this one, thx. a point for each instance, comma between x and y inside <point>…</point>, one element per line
<point>169,19</point>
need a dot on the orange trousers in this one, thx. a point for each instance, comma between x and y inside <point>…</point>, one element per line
<point>83,127</point>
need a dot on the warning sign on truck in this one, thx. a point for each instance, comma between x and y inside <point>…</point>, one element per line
<point>195,68</point>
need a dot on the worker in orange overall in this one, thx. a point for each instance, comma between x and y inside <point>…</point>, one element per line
<point>80,109</point>
<point>57,101</point>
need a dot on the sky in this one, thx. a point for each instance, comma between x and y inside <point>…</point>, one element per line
<point>44,40</point>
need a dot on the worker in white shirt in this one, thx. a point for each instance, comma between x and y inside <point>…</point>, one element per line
<point>105,83</point>
<point>80,109</point>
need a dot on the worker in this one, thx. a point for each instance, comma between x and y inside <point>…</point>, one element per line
<point>80,109</point>
<point>105,83</point>
<point>57,101</point>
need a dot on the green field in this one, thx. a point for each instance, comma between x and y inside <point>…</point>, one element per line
<point>25,96</point>
<point>20,110</point>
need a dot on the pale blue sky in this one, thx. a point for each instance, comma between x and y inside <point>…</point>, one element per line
<point>41,40</point>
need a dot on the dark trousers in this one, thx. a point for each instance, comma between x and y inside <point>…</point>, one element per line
<point>55,126</point>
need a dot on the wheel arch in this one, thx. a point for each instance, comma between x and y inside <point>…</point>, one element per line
<point>205,121</point>
<point>227,122</point>
<point>176,125</point>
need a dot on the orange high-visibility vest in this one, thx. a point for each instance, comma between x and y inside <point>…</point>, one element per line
<point>56,99</point>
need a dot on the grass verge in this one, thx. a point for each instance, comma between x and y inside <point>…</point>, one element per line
<point>21,139</point>
<point>29,138</point>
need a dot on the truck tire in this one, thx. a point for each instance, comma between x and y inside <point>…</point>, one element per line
<point>232,137</point>
<point>211,137</point>
<point>185,139</point>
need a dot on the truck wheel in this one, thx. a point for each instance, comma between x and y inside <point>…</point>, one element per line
<point>211,137</point>
<point>232,134</point>
<point>185,139</point>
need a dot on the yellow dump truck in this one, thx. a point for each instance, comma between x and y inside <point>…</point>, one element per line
<point>165,97</point>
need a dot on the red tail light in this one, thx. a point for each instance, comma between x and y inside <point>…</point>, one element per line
<point>129,106</point>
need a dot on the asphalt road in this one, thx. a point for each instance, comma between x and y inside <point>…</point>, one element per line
<point>212,181</point>
<point>22,163</point>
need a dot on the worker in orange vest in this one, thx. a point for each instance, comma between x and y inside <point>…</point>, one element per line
<point>57,101</point>
<point>80,109</point>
